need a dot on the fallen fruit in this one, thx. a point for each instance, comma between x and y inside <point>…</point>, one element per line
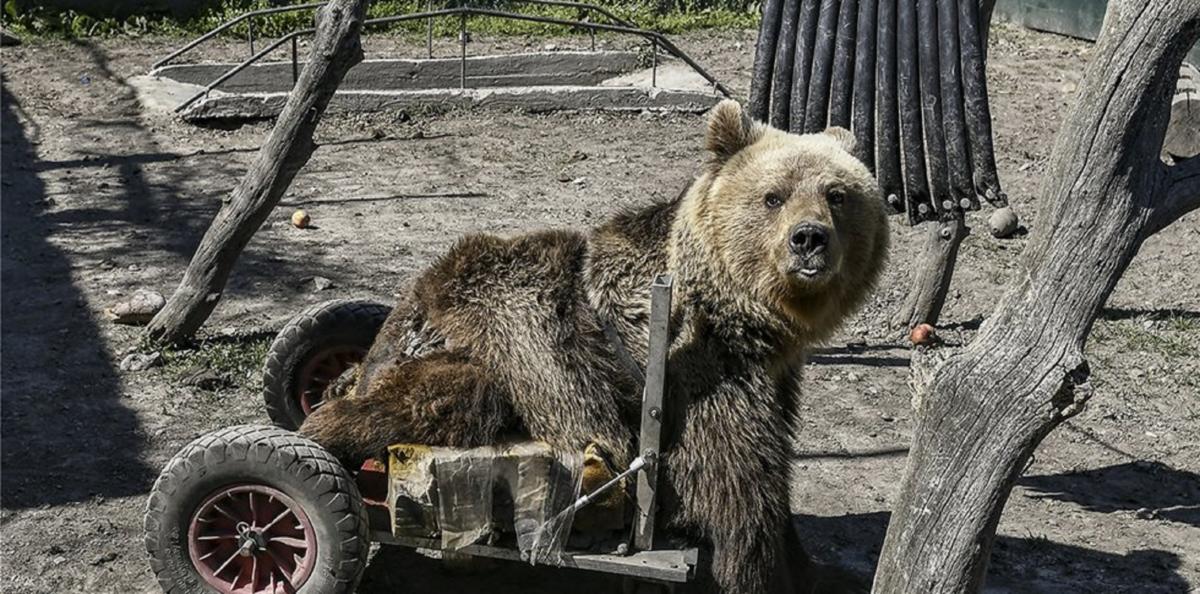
<point>300,219</point>
<point>922,334</point>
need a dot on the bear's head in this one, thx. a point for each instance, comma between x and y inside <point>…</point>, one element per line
<point>793,222</point>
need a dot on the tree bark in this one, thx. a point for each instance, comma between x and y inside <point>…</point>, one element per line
<point>336,48</point>
<point>983,410</point>
<point>925,299</point>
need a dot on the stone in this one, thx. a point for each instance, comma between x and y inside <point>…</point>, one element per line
<point>138,309</point>
<point>1003,223</point>
<point>321,283</point>
<point>136,362</point>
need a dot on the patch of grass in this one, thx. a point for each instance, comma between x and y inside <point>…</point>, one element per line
<point>233,358</point>
<point>33,19</point>
<point>1168,337</point>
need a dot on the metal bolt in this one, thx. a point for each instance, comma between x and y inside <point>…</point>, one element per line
<point>923,208</point>
<point>965,203</point>
<point>946,232</point>
<point>893,199</point>
<point>947,205</point>
<point>655,413</point>
<point>623,549</point>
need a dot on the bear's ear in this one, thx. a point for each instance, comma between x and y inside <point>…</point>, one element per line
<point>843,137</point>
<point>729,131</point>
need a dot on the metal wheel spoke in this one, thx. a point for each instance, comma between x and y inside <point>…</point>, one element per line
<point>226,563</point>
<point>290,541</point>
<point>217,537</point>
<point>283,514</point>
<point>226,513</point>
<point>281,564</point>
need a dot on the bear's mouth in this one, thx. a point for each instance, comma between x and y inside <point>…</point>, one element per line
<point>808,269</point>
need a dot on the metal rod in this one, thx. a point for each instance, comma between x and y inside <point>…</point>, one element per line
<point>230,23</point>
<point>781,79</point>
<point>862,116</point>
<point>887,136</point>
<point>592,32</point>
<point>429,30</point>
<point>654,64</point>
<point>816,112</point>
<point>295,65</point>
<point>958,156</point>
<point>975,102</point>
<point>654,410</point>
<point>916,185</point>
<point>842,80</point>
<point>931,105</point>
<point>666,44</point>
<point>764,59</point>
<point>637,464</point>
<point>806,33</point>
<point>250,34</point>
<point>462,45</point>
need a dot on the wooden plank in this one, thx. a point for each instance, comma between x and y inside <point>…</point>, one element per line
<point>668,565</point>
<point>650,440</point>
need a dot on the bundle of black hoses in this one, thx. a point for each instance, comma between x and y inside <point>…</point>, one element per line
<point>906,76</point>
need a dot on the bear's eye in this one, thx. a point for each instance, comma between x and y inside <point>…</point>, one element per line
<point>835,196</point>
<point>773,200</point>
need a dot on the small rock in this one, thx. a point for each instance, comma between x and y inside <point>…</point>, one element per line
<point>55,550</point>
<point>564,177</point>
<point>138,309</point>
<point>58,560</point>
<point>105,558</point>
<point>550,47</point>
<point>1144,513</point>
<point>321,283</point>
<point>1003,223</point>
<point>136,362</point>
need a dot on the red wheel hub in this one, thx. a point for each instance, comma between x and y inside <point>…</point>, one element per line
<point>321,370</point>
<point>252,539</point>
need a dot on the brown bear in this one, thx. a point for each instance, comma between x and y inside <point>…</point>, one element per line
<point>779,238</point>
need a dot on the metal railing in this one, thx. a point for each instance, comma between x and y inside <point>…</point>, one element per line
<point>656,39</point>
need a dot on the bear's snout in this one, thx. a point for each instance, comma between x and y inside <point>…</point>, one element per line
<point>808,239</point>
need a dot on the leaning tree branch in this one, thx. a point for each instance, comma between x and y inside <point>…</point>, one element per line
<point>336,47</point>
<point>984,409</point>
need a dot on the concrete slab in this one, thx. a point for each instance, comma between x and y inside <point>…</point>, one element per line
<point>512,70</point>
<point>533,99</point>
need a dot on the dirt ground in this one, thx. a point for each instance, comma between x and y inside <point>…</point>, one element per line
<point>100,198</point>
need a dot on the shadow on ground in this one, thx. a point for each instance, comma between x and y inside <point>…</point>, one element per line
<point>1161,491</point>
<point>1033,564</point>
<point>66,434</point>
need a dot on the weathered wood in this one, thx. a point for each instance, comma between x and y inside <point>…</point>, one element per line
<point>842,81</point>
<point>931,283</point>
<point>863,111</point>
<point>816,113</point>
<point>782,91</point>
<point>336,47</point>
<point>982,410</point>
<point>806,32</point>
<point>764,59</point>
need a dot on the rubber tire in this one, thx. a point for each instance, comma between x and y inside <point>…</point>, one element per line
<point>265,455</point>
<point>344,322</point>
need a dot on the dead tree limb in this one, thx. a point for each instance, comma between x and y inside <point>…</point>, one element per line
<point>984,409</point>
<point>336,47</point>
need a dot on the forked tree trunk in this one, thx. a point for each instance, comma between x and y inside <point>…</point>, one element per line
<point>983,410</point>
<point>336,48</point>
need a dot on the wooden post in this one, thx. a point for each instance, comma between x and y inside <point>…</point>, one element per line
<point>982,410</point>
<point>336,47</point>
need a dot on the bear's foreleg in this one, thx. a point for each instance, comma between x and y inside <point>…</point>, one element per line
<point>441,399</point>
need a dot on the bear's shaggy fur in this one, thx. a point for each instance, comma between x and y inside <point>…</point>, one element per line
<point>505,337</point>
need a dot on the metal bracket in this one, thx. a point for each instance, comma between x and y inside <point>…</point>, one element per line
<point>650,439</point>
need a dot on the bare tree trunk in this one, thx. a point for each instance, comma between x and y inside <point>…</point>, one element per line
<point>984,409</point>
<point>925,299</point>
<point>336,48</point>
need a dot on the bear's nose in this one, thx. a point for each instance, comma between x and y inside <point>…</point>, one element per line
<point>808,239</point>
